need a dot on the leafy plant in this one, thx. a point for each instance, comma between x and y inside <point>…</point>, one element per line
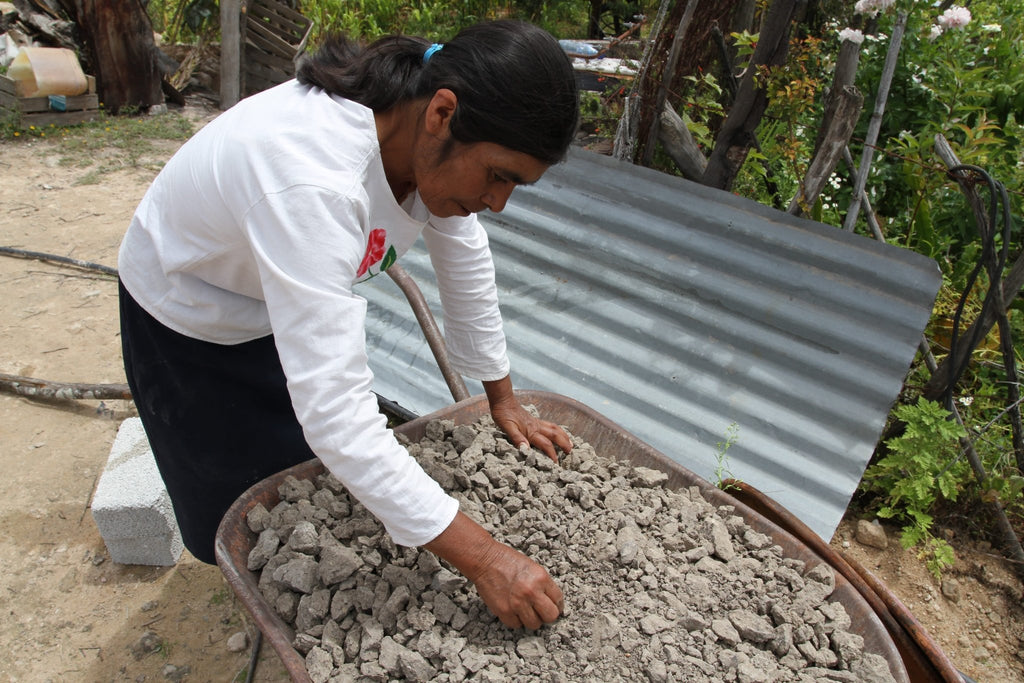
<point>183,21</point>
<point>921,466</point>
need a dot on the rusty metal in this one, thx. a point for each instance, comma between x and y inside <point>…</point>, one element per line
<point>234,539</point>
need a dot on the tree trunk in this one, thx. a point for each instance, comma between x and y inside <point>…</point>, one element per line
<point>119,37</point>
<point>696,51</point>
<point>667,76</point>
<point>737,133</point>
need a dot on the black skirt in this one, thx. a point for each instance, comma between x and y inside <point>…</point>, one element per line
<point>218,418</point>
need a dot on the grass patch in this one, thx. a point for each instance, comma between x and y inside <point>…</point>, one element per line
<point>108,144</point>
<point>220,597</point>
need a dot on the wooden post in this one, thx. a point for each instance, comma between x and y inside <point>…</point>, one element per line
<point>841,114</point>
<point>230,52</point>
<point>875,124</point>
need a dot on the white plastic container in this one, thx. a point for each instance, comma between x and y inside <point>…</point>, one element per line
<point>41,71</point>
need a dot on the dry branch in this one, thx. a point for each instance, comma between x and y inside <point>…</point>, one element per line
<point>62,391</point>
<point>875,124</point>
<point>679,144</point>
<point>841,113</point>
<point>843,104</point>
<point>62,260</point>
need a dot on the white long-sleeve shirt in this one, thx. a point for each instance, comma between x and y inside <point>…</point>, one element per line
<point>262,223</point>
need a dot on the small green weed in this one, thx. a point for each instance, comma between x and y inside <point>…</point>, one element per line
<point>722,469</point>
<point>220,597</point>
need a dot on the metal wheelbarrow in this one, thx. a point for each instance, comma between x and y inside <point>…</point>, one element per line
<point>878,616</point>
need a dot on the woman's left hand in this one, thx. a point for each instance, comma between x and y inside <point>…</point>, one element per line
<point>519,425</point>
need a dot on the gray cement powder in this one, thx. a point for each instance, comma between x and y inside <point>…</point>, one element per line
<point>659,585</point>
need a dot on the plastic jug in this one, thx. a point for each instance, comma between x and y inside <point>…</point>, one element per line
<point>41,71</point>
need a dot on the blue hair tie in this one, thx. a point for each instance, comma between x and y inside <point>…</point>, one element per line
<point>436,47</point>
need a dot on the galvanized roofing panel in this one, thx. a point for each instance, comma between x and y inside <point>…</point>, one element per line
<point>686,314</point>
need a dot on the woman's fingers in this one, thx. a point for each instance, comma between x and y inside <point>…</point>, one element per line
<point>519,591</point>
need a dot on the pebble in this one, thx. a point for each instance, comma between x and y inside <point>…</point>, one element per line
<point>148,643</point>
<point>951,589</point>
<point>871,534</point>
<point>238,642</point>
<point>176,673</point>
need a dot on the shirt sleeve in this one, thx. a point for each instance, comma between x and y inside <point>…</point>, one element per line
<point>307,248</point>
<point>461,258</point>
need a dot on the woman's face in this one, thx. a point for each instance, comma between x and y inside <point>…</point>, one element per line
<point>461,179</point>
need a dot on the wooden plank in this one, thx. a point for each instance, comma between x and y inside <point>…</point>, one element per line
<point>286,30</point>
<point>261,31</point>
<point>278,24</point>
<point>282,16</point>
<point>70,118</point>
<point>261,45</point>
<point>274,36</point>
<point>270,60</point>
<point>273,76</point>
<point>28,105</point>
<point>285,64</point>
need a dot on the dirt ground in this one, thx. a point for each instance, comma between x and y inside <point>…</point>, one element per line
<point>71,614</point>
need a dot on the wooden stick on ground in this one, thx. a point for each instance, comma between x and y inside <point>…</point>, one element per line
<point>44,389</point>
<point>61,260</point>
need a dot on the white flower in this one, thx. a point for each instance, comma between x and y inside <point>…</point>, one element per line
<point>955,17</point>
<point>966,400</point>
<point>872,6</point>
<point>935,32</point>
<point>992,28</point>
<point>852,35</point>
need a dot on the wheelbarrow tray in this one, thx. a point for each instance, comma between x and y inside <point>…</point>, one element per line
<point>235,540</point>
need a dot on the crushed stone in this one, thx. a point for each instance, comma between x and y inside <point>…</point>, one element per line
<point>660,585</point>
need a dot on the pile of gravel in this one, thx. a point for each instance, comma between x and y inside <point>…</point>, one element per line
<point>659,585</point>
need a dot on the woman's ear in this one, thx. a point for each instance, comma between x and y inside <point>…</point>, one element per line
<point>440,109</point>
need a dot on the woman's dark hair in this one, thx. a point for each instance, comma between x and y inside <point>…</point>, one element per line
<point>515,86</point>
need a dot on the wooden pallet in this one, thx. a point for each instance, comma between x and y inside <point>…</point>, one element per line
<point>44,111</point>
<point>275,35</point>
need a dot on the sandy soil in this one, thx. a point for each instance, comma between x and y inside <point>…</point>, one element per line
<point>71,614</point>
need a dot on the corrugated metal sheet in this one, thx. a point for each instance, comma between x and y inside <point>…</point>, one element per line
<point>686,314</point>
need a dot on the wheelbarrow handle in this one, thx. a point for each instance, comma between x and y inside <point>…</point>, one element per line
<point>435,340</point>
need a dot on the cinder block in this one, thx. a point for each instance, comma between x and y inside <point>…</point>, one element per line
<point>131,506</point>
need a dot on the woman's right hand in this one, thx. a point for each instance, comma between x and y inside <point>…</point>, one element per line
<point>515,588</point>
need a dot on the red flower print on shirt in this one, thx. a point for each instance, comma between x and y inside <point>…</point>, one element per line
<point>374,250</point>
<point>377,251</point>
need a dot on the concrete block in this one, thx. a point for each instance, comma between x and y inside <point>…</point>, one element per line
<point>131,506</point>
